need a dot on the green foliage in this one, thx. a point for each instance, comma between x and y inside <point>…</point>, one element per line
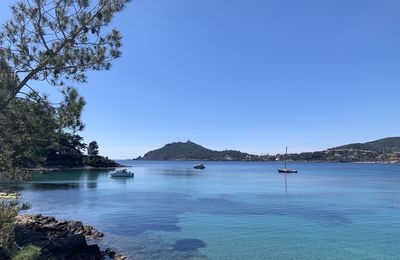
<point>93,149</point>
<point>8,212</point>
<point>28,253</point>
<point>59,41</point>
<point>8,81</point>
<point>65,150</point>
<point>70,110</point>
<point>26,128</point>
<point>56,42</point>
<point>98,161</point>
<point>31,130</point>
<point>34,133</point>
<point>94,160</point>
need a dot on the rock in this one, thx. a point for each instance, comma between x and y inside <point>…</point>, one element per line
<point>110,253</point>
<point>51,225</point>
<point>91,232</point>
<point>120,257</point>
<point>57,239</point>
<point>71,247</point>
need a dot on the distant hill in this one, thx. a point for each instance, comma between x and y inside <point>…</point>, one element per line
<point>389,144</point>
<point>192,151</point>
<point>382,150</point>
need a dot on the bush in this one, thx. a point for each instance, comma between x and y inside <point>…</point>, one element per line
<point>8,212</point>
<point>28,253</point>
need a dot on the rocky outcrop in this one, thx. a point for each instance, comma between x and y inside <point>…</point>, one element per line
<point>111,254</point>
<point>59,239</point>
<point>52,227</point>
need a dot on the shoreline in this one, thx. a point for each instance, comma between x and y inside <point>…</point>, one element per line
<point>58,239</point>
<point>279,161</point>
<point>61,239</point>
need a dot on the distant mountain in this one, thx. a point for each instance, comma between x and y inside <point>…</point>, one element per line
<point>192,151</point>
<point>382,150</point>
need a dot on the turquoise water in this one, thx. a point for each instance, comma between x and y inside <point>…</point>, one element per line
<point>233,210</point>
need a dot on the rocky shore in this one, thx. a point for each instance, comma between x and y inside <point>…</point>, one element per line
<point>60,239</point>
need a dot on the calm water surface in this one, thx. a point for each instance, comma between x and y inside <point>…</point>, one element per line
<point>232,210</point>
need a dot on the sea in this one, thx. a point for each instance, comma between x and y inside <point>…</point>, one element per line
<point>231,210</point>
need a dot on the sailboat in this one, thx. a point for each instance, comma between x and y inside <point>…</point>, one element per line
<point>286,170</point>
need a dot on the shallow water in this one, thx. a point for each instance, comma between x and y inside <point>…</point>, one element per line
<point>232,210</point>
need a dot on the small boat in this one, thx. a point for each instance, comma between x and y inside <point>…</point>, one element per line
<point>286,170</point>
<point>122,173</point>
<point>199,166</point>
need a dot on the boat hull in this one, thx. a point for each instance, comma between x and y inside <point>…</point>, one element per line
<point>118,175</point>
<point>122,176</point>
<point>287,171</point>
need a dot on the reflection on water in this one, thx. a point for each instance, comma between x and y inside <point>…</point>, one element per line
<point>54,186</point>
<point>170,211</point>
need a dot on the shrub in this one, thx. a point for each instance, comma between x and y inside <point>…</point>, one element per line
<point>27,253</point>
<point>8,211</point>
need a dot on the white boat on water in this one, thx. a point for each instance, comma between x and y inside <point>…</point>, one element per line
<point>122,173</point>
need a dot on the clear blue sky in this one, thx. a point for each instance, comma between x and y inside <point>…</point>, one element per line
<point>249,75</point>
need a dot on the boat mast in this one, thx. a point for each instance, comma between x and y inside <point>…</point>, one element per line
<point>285,157</point>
